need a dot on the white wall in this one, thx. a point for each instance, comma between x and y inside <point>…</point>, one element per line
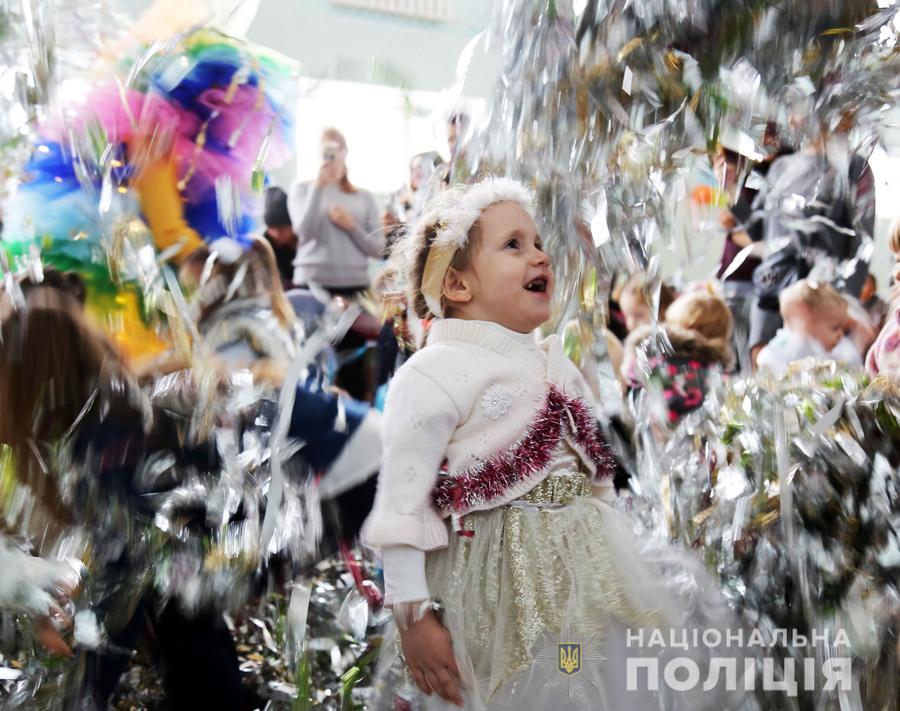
<point>335,42</point>
<point>384,127</point>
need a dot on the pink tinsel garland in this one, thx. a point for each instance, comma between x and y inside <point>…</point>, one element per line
<point>526,459</point>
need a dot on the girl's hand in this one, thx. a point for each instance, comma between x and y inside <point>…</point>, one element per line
<point>48,636</point>
<point>429,655</point>
<point>340,217</point>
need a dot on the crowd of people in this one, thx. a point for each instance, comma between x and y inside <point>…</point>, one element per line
<point>793,281</point>
<point>485,427</point>
<point>795,258</point>
<point>475,443</point>
<point>792,285</point>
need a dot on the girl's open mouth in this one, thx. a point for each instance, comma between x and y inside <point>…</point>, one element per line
<point>539,285</point>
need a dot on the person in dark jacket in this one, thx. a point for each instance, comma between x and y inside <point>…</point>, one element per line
<point>280,234</point>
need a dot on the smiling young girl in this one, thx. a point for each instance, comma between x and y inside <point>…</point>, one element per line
<point>495,552</point>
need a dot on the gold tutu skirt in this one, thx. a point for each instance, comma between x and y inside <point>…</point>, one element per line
<point>539,563</point>
<point>539,596</point>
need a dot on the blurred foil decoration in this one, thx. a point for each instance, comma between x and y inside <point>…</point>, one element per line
<point>183,528</point>
<point>159,146</point>
<point>43,44</point>
<point>610,110</point>
<point>790,491</point>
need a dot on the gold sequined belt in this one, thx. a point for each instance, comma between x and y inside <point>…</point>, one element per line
<point>555,491</point>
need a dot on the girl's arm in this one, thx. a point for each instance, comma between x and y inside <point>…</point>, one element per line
<point>305,209</point>
<point>419,421</point>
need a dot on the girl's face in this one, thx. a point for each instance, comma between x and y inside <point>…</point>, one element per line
<point>827,327</point>
<point>509,279</point>
<point>634,309</point>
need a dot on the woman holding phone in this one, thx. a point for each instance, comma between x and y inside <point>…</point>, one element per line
<point>338,229</point>
<point>337,224</point>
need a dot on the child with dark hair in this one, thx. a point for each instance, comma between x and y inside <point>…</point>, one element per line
<point>280,233</point>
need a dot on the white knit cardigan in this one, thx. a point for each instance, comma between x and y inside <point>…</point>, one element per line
<point>472,421</point>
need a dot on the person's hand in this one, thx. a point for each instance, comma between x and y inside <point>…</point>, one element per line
<point>389,221</point>
<point>340,217</point>
<point>48,636</point>
<point>328,173</point>
<point>429,655</point>
<point>726,219</point>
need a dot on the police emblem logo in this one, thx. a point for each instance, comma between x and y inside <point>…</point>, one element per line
<point>570,668</point>
<point>569,657</point>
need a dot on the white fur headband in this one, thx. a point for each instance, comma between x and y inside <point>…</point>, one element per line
<point>455,211</point>
<point>459,207</point>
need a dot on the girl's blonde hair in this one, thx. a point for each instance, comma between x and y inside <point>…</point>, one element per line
<point>819,297</point>
<point>894,238</point>
<point>703,312</point>
<point>421,241</point>
<point>417,244</point>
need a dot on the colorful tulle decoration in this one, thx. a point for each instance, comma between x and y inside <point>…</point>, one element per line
<point>177,138</point>
<point>231,120</point>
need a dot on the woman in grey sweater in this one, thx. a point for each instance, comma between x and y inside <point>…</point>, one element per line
<point>337,224</point>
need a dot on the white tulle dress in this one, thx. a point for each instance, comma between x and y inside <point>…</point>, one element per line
<point>540,594</point>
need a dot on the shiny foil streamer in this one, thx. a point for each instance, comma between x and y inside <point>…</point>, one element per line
<point>610,110</point>
<point>789,491</point>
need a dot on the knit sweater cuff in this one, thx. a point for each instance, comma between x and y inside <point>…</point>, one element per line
<point>404,575</point>
<point>384,529</point>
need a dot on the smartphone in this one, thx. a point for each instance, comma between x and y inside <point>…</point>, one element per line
<point>329,153</point>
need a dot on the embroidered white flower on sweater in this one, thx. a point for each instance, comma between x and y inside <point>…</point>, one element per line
<point>495,402</point>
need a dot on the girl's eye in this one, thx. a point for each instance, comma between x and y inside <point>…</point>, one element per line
<point>512,244</point>
<point>539,245</point>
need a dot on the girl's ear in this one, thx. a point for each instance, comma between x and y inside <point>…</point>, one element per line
<point>457,289</point>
